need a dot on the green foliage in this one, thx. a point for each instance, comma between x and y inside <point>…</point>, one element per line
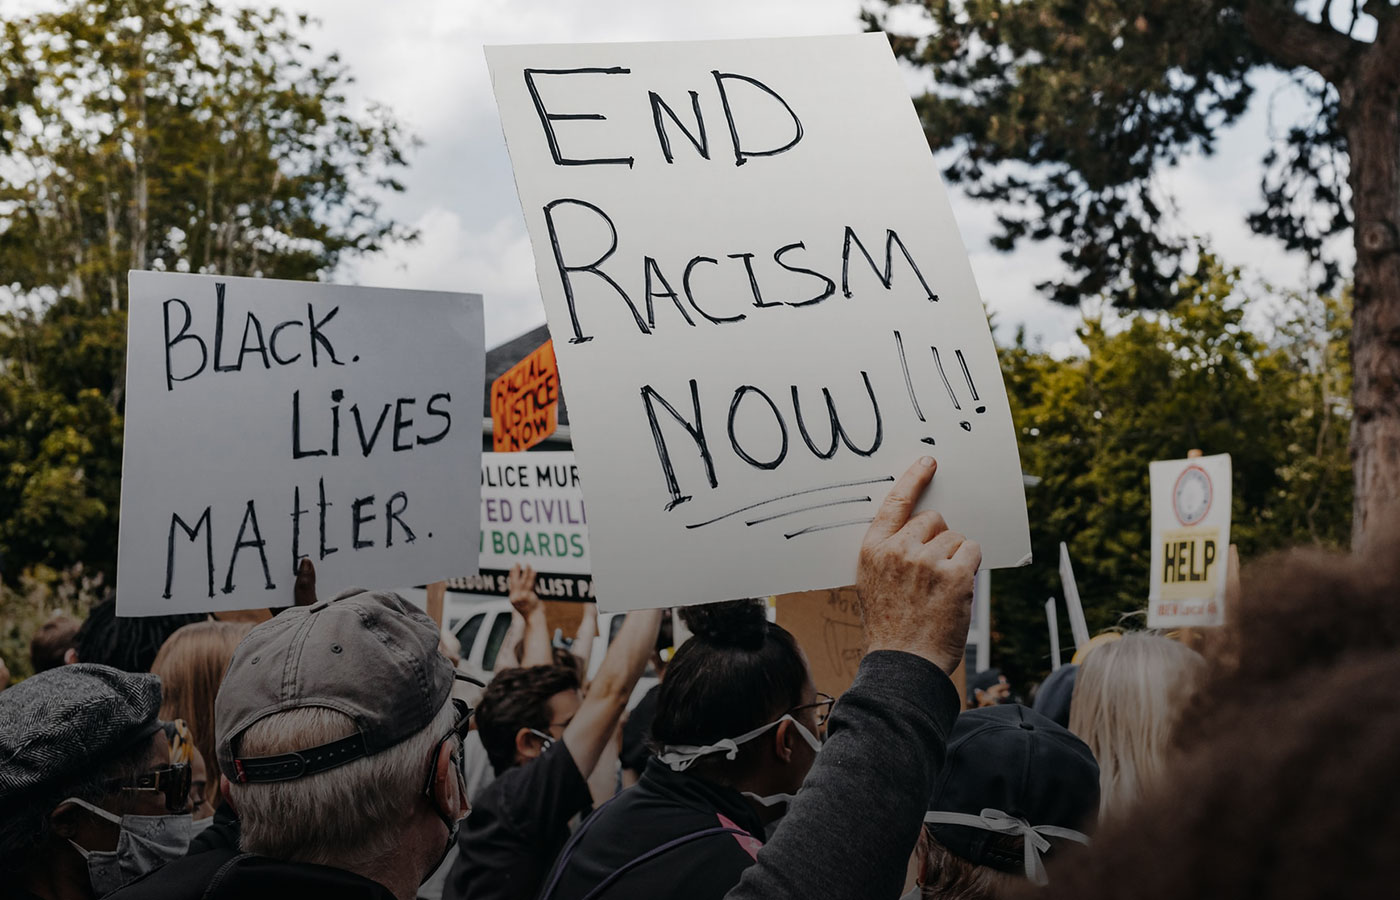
<point>1064,111</point>
<point>40,594</point>
<point>1192,377</point>
<point>151,134</point>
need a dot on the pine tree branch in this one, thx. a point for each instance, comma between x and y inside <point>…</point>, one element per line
<point>1291,40</point>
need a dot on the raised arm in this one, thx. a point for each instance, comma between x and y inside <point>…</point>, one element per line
<point>888,734</point>
<point>535,650</point>
<point>583,640</point>
<point>602,708</point>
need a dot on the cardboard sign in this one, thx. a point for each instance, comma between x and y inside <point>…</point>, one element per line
<point>1190,541</point>
<point>762,307</point>
<point>827,626</point>
<point>532,513</point>
<point>1052,616</point>
<point>1077,625</point>
<point>525,402</point>
<point>270,421</point>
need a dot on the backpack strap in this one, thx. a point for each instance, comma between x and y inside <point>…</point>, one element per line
<point>658,851</point>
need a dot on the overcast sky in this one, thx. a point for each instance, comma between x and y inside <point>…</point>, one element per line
<point>423,59</point>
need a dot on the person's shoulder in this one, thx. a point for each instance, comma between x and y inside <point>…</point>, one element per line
<point>183,878</point>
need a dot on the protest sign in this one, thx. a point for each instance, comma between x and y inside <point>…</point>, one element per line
<point>273,421</point>
<point>532,513</point>
<point>761,305</point>
<point>1077,626</point>
<point>1190,541</point>
<point>1052,616</point>
<point>826,624</point>
<point>525,402</point>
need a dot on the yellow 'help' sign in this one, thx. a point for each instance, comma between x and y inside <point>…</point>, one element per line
<point>1190,541</point>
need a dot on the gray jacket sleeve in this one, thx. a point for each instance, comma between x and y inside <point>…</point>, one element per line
<point>850,831</point>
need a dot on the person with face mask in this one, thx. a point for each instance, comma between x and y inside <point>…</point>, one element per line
<point>89,799</point>
<point>340,747</point>
<point>737,727</point>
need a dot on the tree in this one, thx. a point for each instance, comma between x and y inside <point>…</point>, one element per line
<point>1063,111</point>
<point>1155,387</point>
<point>151,134</point>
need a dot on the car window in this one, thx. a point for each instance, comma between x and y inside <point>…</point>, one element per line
<point>499,627</point>
<point>466,635</point>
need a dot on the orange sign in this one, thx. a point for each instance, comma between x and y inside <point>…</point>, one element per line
<point>525,402</point>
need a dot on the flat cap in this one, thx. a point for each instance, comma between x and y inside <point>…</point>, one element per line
<point>59,724</point>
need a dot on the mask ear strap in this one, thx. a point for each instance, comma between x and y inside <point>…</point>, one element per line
<point>95,810</point>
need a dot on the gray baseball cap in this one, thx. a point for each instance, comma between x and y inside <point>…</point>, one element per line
<point>372,656</point>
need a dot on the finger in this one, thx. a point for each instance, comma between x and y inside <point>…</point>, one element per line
<point>969,555</point>
<point>304,589</point>
<point>899,503</point>
<point>945,545</point>
<point>924,527</point>
<point>529,577</point>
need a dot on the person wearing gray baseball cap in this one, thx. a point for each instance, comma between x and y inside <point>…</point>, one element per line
<point>340,748</point>
<point>88,798</point>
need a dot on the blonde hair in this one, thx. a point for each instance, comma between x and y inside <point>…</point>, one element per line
<point>1128,696</point>
<point>191,665</point>
<point>354,812</point>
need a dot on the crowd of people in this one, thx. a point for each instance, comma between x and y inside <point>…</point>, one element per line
<point>340,749</point>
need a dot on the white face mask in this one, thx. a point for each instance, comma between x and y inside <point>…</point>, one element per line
<point>682,757</point>
<point>145,844</point>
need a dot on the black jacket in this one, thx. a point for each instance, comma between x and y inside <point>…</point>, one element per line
<point>222,875</point>
<point>665,806</point>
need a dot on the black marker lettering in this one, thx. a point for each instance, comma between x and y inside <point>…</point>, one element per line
<point>400,423</point>
<point>697,434</point>
<point>183,335</point>
<point>249,515</point>
<point>367,445</point>
<point>297,452</point>
<point>391,515</point>
<point>203,522</point>
<point>887,278</point>
<point>649,266</point>
<point>830,285</point>
<point>318,338</point>
<point>564,269</point>
<point>297,513</point>
<point>837,430</point>
<point>272,343</point>
<point>702,145</point>
<point>219,329</point>
<point>777,417</point>
<point>547,118</point>
<point>741,155</point>
<point>357,519</point>
<point>440,413</point>
<point>689,295</point>
<point>753,279</point>
<point>322,505</point>
<point>260,348</point>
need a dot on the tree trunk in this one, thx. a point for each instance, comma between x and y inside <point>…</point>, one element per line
<point>1371,117</point>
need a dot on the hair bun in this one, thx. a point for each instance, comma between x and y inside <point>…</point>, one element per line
<point>733,623</point>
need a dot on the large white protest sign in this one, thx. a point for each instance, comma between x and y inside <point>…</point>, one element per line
<point>761,309</point>
<point>271,421</point>
<point>1190,541</point>
<point>1077,626</point>
<point>532,513</point>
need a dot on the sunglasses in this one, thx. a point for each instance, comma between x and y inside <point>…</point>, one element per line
<point>173,781</point>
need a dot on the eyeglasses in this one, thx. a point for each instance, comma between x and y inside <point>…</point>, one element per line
<point>173,781</point>
<point>460,727</point>
<point>822,705</point>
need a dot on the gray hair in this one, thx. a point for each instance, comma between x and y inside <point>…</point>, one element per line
<point>1127,699</point>
<point>352,812</point>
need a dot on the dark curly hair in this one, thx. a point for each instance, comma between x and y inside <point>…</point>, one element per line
<point>516,699</point>
<point>737,672</point>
